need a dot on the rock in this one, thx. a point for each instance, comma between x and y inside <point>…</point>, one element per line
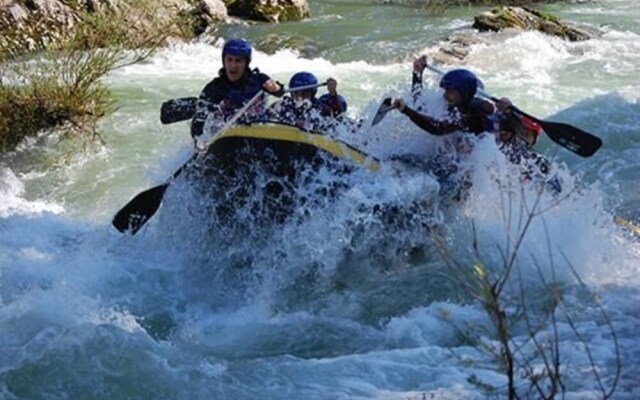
<point>205,13</point>
<point>456,47</point>
<point>53,11</point>
<point>270,10</point>
<point>525,18</point>
<point>29,25</point>
<point>215,9</point>
<point>273,42</point>
<point>97,5</point>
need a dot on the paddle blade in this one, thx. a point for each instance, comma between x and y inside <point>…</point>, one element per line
<point>385,107</point>
<point>576,140</point>
<point>176,110</point>
<point>138,211</point>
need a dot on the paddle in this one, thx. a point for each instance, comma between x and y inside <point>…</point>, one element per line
<point>182,109</point>
<point>307,87</point>
<point>143,206</point>
<point>571,138</point>
<point>384,108</point>
<point>176,110</point>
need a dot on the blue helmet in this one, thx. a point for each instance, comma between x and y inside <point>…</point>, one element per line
<point>303,79</point>
<point>463,81</point>
<point>237,47</point>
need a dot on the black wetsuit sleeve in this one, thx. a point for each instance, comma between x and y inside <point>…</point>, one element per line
<point>429,124</point>
<point>262,78</point>
<point>211,95</point>
<point>280,92</point>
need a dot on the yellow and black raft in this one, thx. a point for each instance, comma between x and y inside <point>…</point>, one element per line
<point>267,169</point>
<point>270,170</point>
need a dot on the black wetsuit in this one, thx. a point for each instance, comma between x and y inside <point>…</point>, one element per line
<point>472,117</point>
<point>225,98</point>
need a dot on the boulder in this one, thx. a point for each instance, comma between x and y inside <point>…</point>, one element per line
<point>456,47</point>
<point>214,9</point>
<point>271,43</point>
<point>29,25</point>
<point>269,10</point>
<point>525,18</point>
<point>205,13</point>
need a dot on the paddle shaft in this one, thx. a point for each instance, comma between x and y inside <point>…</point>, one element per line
<point>232,121</point>
<point>307,87</point>
<point>143,206</point>
<point>182,109</point>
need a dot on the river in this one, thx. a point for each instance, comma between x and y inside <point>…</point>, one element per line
<point>88,313</point>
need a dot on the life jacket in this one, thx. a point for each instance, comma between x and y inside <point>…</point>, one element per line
<point>474,116</point>
<point>307,115</point>
<point>225,98</point>
<point>512,126</point>
<point>532,126</point>
<point>332,106</point>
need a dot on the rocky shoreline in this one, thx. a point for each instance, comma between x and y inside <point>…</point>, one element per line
<point>68,28</point>
<point>27,25</point>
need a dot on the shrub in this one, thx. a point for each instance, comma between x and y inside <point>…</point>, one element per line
<point>523,322</point>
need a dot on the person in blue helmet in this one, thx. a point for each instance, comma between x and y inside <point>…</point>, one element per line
<point>303,108</point>
<point>467,113</point>
<point>235,84</point>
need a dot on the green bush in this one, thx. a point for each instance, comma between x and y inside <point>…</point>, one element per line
<point>61,90</point>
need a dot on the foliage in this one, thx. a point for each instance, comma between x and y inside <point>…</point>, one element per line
<point>531,363</point>
<point>60,85</point>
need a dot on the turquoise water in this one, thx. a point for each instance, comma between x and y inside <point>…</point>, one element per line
<point>329,309</point>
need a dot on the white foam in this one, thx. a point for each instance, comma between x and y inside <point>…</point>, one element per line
<point>156,308</point>
<point>11,191</point>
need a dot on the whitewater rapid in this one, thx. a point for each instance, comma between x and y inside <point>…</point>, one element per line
<point>340,306</point>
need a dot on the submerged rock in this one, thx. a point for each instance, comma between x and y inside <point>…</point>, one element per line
<point>456,47</point>
<point>269,10</point>
<point>273,42</point>
<point>525,18</point>
<point>507,21</point>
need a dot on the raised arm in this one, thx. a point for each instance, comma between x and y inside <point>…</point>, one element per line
<point>434,126</point>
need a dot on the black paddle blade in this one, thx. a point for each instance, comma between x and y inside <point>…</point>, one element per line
<point>176,110</point>
<point>568,136</point>
<point>385,107</point>
<point>138,211</point>
<point>571,138</point>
